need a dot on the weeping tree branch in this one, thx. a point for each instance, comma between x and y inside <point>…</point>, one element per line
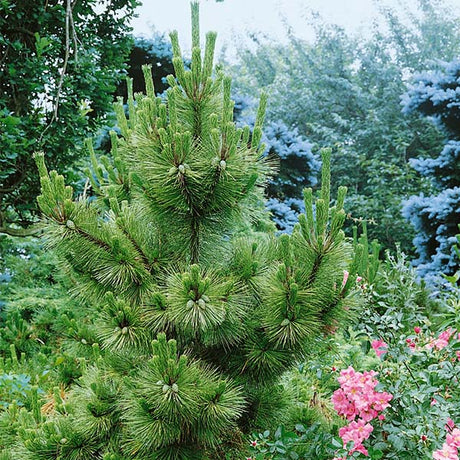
<point>69,24</point>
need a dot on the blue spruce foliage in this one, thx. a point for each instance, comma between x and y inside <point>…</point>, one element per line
<point>298,166</point>
<point>436,217</point>
<point>298,169</point>
<point>443,170</point>
<point>437,94</point>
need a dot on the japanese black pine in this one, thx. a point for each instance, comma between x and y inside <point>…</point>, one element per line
<point>200,312</point>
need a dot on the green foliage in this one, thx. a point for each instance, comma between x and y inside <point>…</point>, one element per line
<point>13,387</point>
<point>197,316</point>
<point>192,405</point>
<point>397,300</point>
<point>42,333</point>
<point>37,311</point>
<point>345,91</point>
<point>370,260</point>
<point>418,369</point>
<point>303,442</point>
<point>60,64</point>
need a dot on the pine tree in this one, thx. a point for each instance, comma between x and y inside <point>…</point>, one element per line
<point>198,316</point>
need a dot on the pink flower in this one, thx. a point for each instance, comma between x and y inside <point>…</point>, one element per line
<point>357,432</point>
<point>381,400</point>
<point>417,329</point>
<point>345,277</point>
<point>453,438</point>
<point>368,414</point>
<point>450,424</point>
<point>360,448</point>
<point>379,346</point>
<point>446,453</point>
<point>447,334</point>
<point>442,341</point>
<point>357,400</point>
<point>343,405</point>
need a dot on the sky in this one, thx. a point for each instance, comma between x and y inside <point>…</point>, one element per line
<point>234,20</point>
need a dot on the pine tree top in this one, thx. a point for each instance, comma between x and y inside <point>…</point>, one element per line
<point>196,169</point>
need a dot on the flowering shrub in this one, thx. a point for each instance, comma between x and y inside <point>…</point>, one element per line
<point>405,348</point>
<point>358,401</point>
<point>449,449</point>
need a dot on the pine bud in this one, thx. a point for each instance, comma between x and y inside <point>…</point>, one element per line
<point>84,342</point>
<point>205,298</point>
<point>223,165</point>
<point>285,322</point>
<point>70,224</point>
<point>172,171</point>
<point>63,441</point>
<point>190,304</point>
<point>175,388</point>
<point>201,303</point>
<point>165,388</point>
<point>181,169</point>
<point>124,331</point>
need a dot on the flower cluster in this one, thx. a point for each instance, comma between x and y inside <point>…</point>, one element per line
<point>357,400</point>
<point>449,450</point>
<point>356,432</point>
